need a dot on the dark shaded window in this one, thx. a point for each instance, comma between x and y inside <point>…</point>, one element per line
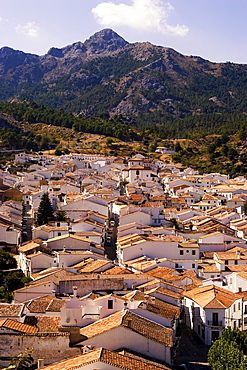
<point>110,304</point>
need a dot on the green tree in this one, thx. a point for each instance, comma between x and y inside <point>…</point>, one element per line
<point>152,147</point>
<point>109,141</point>
<point>7,261</point>
<point>174,223</point>
<point>45,211</point>
<point>237,336</point>
<point>15,280</point>
<point>177,147</point>
<point>61,216</point>
<point>227,352</point>
<point>22,361</point>
<point>224,355</point>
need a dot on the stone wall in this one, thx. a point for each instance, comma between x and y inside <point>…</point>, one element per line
<point>88,285</point>
<point>51,347</point>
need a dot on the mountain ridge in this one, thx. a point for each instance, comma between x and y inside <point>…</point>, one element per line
<point>107,76</point>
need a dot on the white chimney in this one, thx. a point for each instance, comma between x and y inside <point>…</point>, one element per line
<point>74,291</point>
<point>40,363</point>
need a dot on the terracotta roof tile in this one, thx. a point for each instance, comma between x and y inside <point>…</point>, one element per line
<point>10,309</point>
<point>17,326</point>
<point>123,361</point>
<point>212,296</point>
<point>133,322</point>
<point>93,266</point>
<point>117,270</point>
<point>43,304</point>
<point>43,323</point>
<point>167,292</point>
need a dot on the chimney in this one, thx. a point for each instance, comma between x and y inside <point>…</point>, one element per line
<point>40,363</point>
<point>75,291</point>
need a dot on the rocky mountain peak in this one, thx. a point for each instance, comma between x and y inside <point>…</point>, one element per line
<point>104,41</point>
<point>10,58</point>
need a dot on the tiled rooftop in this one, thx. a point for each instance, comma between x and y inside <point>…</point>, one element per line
<point>17,326</point>
<point>44,304</point>
<point>117,270</point>
<point>211,296</point>
<point>132,322</point>
<point>44,323</point>
<point>10,309</point>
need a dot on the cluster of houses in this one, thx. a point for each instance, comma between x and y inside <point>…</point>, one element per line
<point>144,247</point>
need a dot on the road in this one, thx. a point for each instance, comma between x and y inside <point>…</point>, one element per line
<point>192,351</point>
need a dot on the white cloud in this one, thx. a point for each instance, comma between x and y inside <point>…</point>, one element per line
<point>144,15</point>
<point>28,29</point>
<point>2,20</point>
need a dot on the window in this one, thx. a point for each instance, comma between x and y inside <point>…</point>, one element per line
<point>193,252</point>
<point>58,234</point>
<point>226,262</point>
<point>193,265</point>
<point>236,262</point>
<point>215,318</point>
<point>234,308</point>
<point>110,304</point>
<point>240,289</point>
<point>239,306</point>
<point>181,253</point>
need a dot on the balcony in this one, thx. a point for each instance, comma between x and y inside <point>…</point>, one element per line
<point>214,323</point>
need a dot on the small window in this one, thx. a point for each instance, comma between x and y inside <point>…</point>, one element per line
<point>58,224</point>
<point>110,304</point>
<point>58,234</point>
<point>226,262</point>
<point>239,306</point>
<point>181,253</point>
<point>193,265</point>
<point>193,252</point>
<point>236,262</point>
<point>240,289</point>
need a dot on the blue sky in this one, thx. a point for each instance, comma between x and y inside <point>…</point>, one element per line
<point>213,29</point>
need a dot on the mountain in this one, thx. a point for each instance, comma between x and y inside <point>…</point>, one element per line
<point>106,76</point>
